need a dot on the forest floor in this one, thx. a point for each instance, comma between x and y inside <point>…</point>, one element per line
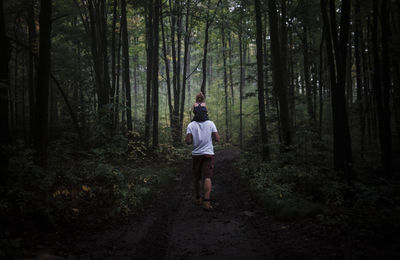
<point>174,227</point>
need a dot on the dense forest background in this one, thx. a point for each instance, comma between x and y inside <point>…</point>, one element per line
<point>95,91</point>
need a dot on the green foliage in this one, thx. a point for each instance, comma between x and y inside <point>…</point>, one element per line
<point>278,184</point>
<point>170,153</point>
<point>300,184</point>
<point>136,147</point>
<point>164,152</point>
<point>84,187</point>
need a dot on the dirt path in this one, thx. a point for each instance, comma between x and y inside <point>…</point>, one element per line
<point>175,228</point>
<point>221,234</point>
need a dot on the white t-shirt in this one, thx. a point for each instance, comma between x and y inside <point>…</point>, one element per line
<point>201,135</point>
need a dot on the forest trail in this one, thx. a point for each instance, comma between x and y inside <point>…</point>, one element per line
<point>174,227</point>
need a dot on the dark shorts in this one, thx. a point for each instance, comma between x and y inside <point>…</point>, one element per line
<point>202,166</point>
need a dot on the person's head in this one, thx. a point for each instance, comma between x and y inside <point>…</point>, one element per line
<point>200,97</point>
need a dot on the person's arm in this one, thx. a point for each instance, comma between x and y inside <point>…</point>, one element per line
<point>189,139</point>
<point>214,133</point>
<point>215,136</point>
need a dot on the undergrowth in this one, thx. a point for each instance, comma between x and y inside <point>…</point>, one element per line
<point>83,188</point>
<point>300,185</point>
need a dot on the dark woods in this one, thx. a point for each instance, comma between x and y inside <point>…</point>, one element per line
<point>115,80</point>
<point>349,61</point>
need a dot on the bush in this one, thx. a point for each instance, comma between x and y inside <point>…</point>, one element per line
<point>82,187</point>
<point>278,185</point>
<point>296,187</point>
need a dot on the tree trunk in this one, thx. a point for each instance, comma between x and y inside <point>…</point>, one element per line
<point>167,71</point>
<point>117,76</point>
<point>349,80</point>
<point>260,81</point>
<point>278,73</point>
<point>225,82</point>
<point>306,71</point>
<point>188,77</point>
<point>321,82</point>
<point>123,103</point>
<point>292,85</point>
<point>13,95</point>
<point>241,84</point>
<point>149,75</point>
<point>366,66</point>
<point>230,69</point>
<point>106,88</point>
<point>156,21</point>
<point>113,72</point>
<point>232,98</point>
<point>26,139</point>
<point>178,71</point>
<point>382,84</point>
<point>135,82</point>
<point>175,48</point>
<point>43,75</point>
<point>265,61</point>
<point>359,81</point>
<point>185,65</point>
<point>341,59</point>
<point>341,134</point>
<point>125,51</point>
<point>31,71</point>
<point>95,23</point>
<point>4,98</point>
<point>205,49</point>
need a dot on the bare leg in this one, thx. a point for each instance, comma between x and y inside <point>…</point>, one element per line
<point>207,188</point>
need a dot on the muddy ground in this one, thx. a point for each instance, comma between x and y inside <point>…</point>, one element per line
<point>174,227</point>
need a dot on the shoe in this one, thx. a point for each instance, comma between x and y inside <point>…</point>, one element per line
<point>207,204</point>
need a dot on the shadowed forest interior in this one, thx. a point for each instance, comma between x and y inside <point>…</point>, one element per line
<point>96,96</point>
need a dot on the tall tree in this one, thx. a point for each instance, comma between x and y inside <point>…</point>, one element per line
<point>135,79</point>
<point>31,71</point>
<point>242,58</point>
<point>152,44</point>
<point>336,46</point>
<point>358,53</point>
<point>321,81</point>
<point>117,76</point>
<point>241,83</point>
<point>113,67</point>
<point>156,43</point>
<point>167,68</point>
<point>306,63</point>
<point>386,85</point>
<point>224,57</point>
<point>260,81</point>
<point>149,70</point>
<point>186,64</point>
<point>42,86</point>
<point>278,74</point>
<point>176,36</point>
<point>205,49</point>
<point>4,85</point>
<point>125,52</point>
<point>381,81</point>
<point>176,97</point>
<point>94,18</point>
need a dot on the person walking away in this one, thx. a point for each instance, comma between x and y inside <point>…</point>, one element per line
<point>201,135</point>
